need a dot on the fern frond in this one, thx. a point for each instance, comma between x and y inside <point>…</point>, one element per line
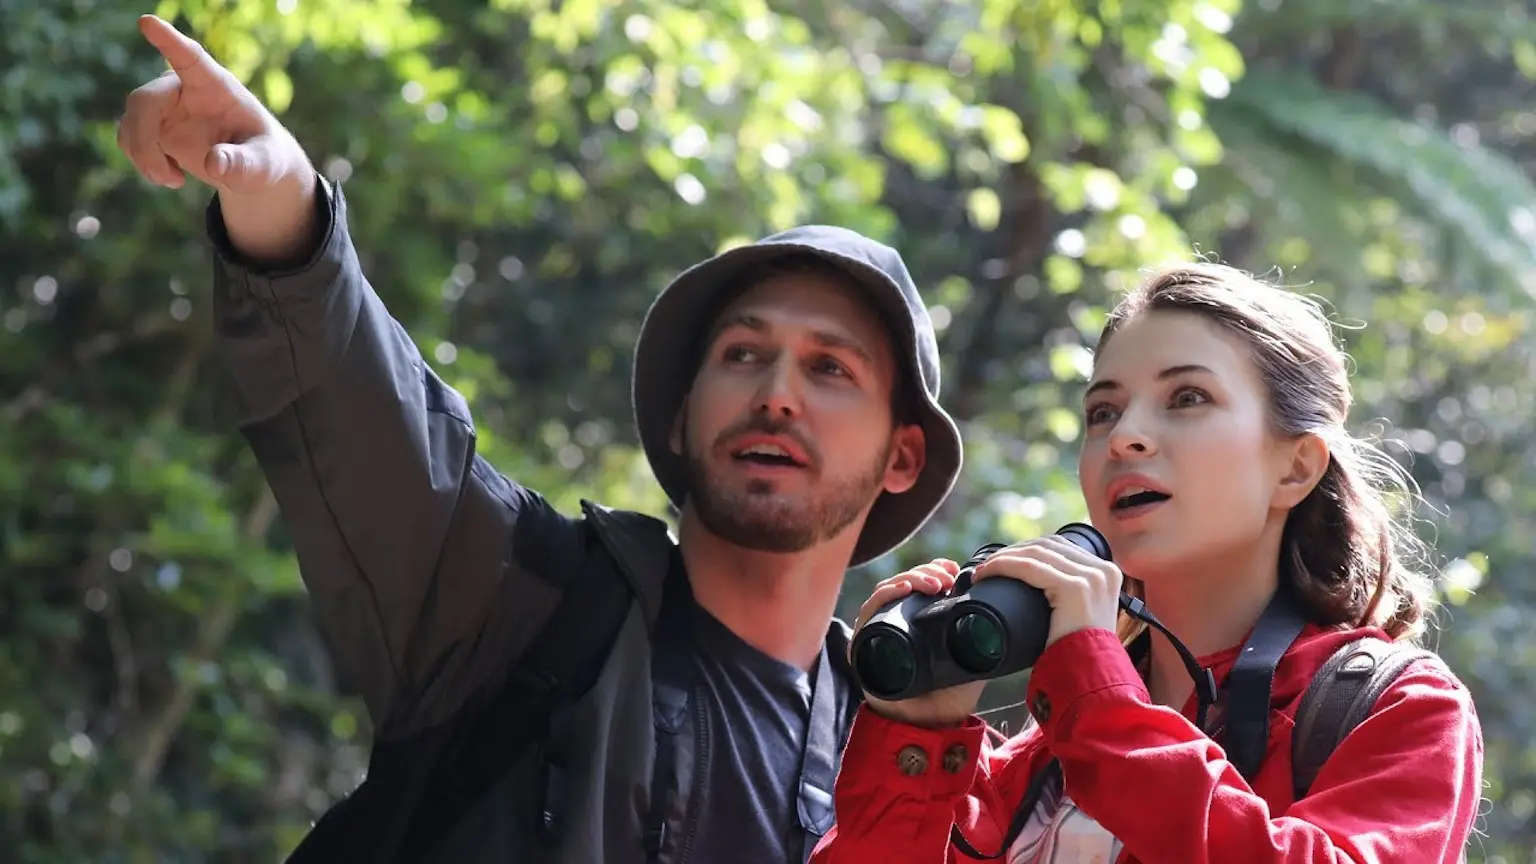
<point>1473,194</point>
<point>1293,191</point>
<point>1479,20</point>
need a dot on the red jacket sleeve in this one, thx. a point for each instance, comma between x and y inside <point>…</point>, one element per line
<point>902,788</point>
<point>1403,788</point>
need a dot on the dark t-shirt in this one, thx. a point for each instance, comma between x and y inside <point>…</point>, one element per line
<point>757,710</point>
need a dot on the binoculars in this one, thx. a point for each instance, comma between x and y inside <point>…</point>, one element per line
<point>922,643</point>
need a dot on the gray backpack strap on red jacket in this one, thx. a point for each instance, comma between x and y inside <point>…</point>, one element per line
<point>1342,694</point>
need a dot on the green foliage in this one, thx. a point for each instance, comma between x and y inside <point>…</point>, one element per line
<point>525,175</point>
<point>1478,201</point>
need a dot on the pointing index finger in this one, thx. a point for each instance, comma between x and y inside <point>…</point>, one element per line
<point>183,53</point>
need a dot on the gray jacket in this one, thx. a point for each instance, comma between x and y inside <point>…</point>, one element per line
<point>425,564</point>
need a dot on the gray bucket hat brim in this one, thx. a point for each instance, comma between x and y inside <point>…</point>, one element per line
<point>664,366</point>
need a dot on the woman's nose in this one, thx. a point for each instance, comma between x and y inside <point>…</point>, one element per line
<point>1130,440</point>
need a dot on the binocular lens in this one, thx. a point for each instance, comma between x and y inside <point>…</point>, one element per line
<point>977,642</point>
<point>886,664</point>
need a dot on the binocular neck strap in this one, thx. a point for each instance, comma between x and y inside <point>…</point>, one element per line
<point>1248,686</point>
<point>1205,681</point>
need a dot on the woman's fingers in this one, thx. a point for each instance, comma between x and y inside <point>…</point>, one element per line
<point>1083,590</point>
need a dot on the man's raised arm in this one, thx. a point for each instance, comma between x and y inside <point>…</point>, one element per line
<point>411,546</point>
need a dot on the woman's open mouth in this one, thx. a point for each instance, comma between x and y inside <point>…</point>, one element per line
<point>1135,501</point>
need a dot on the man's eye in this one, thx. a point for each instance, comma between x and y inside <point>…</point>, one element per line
<point>739,354</point>
<point>828,366</point>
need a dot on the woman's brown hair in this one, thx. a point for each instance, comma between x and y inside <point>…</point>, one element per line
<point>1346,553</point>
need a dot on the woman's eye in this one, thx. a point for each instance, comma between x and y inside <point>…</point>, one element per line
<point>739,354</point>
<point>1189,397</point>
<point>1098,414</point>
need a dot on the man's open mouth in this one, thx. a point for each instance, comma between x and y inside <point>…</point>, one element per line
<point>768,454</point>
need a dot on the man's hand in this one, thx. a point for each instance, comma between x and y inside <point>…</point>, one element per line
<point>198,119</point>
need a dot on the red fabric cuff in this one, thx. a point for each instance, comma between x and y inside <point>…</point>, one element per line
<point>1076,666</point>
<point>908,760</point>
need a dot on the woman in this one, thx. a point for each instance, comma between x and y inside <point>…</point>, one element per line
<point>1216,463</point>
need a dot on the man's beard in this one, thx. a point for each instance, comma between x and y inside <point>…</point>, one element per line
<point>754,517</point>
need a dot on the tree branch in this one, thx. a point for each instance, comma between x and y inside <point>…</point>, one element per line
<point>1341,67</point>
<point>22,404</point>
<point>212,631</point>
<point>1031,218</point>
<point>145,329</point>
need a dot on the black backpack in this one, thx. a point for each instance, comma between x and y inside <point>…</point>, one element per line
<point>417,789</point>
<point>390,819</point>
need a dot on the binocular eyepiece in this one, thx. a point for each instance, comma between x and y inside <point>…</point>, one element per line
<point>922,643</point>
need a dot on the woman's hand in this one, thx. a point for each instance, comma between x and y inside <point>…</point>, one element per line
<point>940,708</point>
<point>1082,588</point>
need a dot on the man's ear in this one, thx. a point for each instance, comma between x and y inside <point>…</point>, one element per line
<point>909,453</point>
<point>679,423</point>
<point>1306,460</point>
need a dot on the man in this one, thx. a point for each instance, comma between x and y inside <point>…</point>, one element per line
<point>786,397</point>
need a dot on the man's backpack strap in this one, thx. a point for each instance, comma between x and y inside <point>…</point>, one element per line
<point>561,665</point>
<point>1340,697</point>
<point>827,735</point>
<point>673,674</point>
<point>839,638</point>
<point>643,549</point>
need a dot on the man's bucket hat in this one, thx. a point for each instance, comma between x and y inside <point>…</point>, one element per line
<point>665,366</point>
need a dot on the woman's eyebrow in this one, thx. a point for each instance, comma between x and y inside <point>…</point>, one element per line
<point>1170,372</point>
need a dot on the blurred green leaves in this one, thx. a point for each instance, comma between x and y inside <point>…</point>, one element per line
<point>525,175</point>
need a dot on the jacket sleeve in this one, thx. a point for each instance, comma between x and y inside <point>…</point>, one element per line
<point>1403,788</point>
<point>902,789</point>
<point>412,548</point>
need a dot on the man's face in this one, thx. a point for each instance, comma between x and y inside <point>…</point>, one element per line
<point>788,431</point>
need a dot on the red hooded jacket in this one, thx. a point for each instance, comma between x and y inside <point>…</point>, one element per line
<point>1403,788</point>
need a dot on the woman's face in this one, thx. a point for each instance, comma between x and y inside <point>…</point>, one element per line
<point>1179,467</point>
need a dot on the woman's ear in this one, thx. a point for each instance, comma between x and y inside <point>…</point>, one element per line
<point>1305,461</point>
